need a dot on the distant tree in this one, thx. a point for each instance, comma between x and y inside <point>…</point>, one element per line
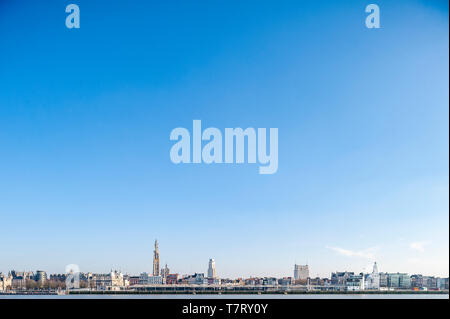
<point>45,284</point>
<point>83,284</point>
<point>31,284</point>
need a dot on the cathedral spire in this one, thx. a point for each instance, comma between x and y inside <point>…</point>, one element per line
<point>156,271</point>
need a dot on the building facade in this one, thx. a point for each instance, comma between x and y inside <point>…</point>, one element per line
<point>372,280</point>
<point>5,282</point>
<point>133,280</point>
<point>147,279</point>
<point>172,279</point>
<point>301,272</point>
<point>212,269</point>
<point>41,276</point>
<point>165,272</point>
<point>355,283</point>
<point>399,281</point>
<point>340,278</point>
<point>112,281</point>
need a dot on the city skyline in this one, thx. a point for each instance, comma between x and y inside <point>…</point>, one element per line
<point>114,281</point>
<point>362,115</point>
<point>299,271</point>
<point>368,279</point>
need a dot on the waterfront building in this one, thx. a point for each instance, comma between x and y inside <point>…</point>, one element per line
<point>196,279</point>
<point>212,269</point>
<point>428,282</point>
<point>355,283</point>
<point>372,281</point>
<point>155,280</point>
<point>214,281</point>
<point>252,282</point>
<point>156,271</point>
<point>405,281</point>
<point>58,277</point>
<point>143,278</point>
<point>399,281</point>
<point>417,281</point>
<point>270,281</point>
<point>100,281</point>
<point>286,281</point>
<point>432,283</point>
<point>20,278</point>
<point>134,280</point>
<point>172,279</point>
<point>301,272</point>
<point>126,281</point>
<point>27,275</point>
<point>445,283</point>
<point>340,278</point>
<point>112,281</point>
<point>317,281</point>
<point>165,272</point>
<point>20,283</point>
<point>41,276</point>
<point>383,280</point>
<point>23,274</point>
<point>440,283</point>
<point>5,281</point>
<point>147,279</point>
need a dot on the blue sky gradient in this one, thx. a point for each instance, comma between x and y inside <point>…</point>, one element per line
<point>363,119</point>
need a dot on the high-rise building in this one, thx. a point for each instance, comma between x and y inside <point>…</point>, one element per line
<point>212,269</point>
<point>301,272</point>
<point>41,276</point>
<point>156,271</point>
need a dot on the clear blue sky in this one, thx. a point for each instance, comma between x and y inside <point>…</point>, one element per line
<point>363,119</point>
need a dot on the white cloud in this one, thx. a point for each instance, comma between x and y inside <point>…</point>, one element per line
<point>418,245</point>
<point>368,253</point>
<point>413,260</point>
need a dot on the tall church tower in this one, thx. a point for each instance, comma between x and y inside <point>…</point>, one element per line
<point>212,269</point>
<point>156,271</point>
